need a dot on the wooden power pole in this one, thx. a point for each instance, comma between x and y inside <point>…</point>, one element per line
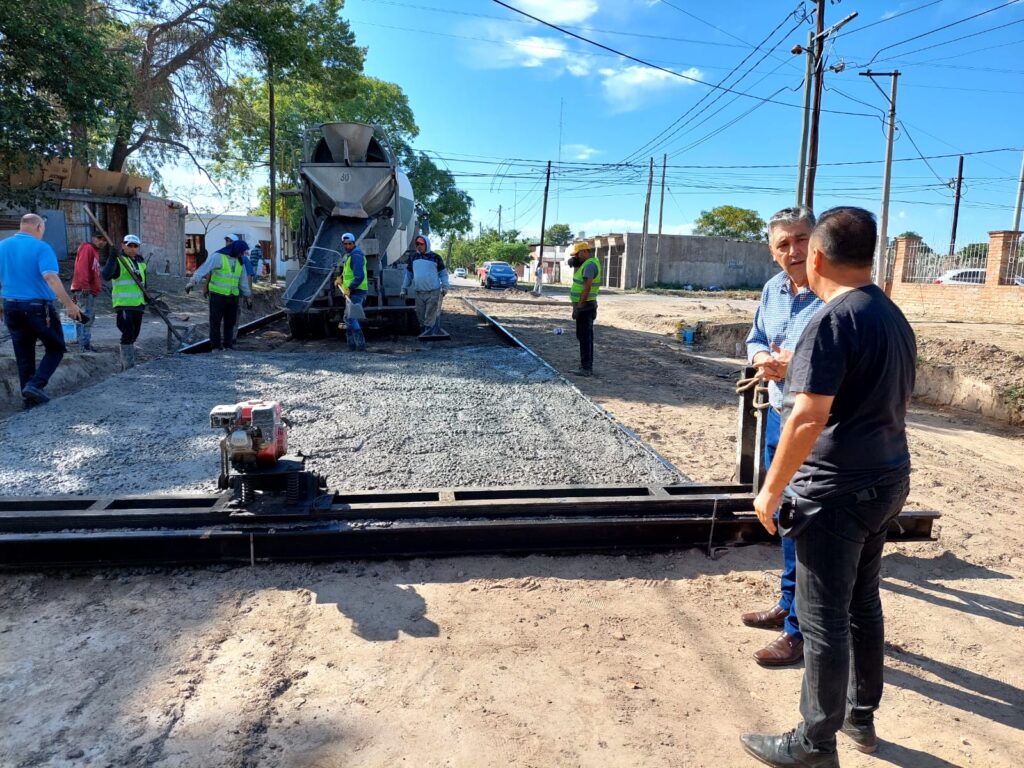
<point>642,277</point>
<point>661,216</point>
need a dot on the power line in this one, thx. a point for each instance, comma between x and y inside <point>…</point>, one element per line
<point>652,143</point>
<point>933,31</point>
<point>645,63</point>
<point>954,40</point>
<point>434,9</point>
<point>887,19</point>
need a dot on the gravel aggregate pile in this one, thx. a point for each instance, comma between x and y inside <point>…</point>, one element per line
<point>476,416</point>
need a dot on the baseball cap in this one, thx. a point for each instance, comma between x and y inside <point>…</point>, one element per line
<point>131,239</point>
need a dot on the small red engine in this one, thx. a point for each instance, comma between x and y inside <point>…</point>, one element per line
<point>255,433</point>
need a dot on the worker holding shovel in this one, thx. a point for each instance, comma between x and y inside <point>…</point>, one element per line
<point>354,284</point>
<point>127,273</point>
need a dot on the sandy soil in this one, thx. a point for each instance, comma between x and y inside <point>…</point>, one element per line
<point>536,661</point>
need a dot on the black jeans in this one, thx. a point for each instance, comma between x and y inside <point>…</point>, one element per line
<point>585,333</point>
<point>223,312</point>
<point>129,323</point>
<point>29,322</point>
<point>839,557</point>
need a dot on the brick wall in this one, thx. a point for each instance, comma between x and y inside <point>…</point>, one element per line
<point>162,231</point>
<point>990,303</point>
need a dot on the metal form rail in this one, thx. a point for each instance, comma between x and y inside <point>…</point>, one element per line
<point>165,530</point>
<point>245,328</point>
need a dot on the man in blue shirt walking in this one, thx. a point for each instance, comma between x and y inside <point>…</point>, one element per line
<point>30,282</point>
<point>787,306</point>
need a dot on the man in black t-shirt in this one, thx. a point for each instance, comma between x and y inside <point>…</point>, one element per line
<point>843,464</point>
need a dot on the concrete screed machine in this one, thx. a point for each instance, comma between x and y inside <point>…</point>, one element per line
<point>351,183</point>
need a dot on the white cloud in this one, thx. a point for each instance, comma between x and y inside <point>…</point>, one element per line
<point>628,88</point>
<point>560,11</point>
<point>535,51</point>
<point>580,151</point>
<point>607,226</point>
<point>888,14</point>
<point>551,54</point>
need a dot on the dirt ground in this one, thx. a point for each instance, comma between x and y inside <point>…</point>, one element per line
<point>635,660</point>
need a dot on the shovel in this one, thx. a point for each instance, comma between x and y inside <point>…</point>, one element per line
<point>159,307</point>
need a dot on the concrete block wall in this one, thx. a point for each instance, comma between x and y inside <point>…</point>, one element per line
<point>989,303</point>
<point>698,261</point>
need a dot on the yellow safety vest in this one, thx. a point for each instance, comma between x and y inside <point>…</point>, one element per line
<point>226,278</point>
<point>124,291</point>
<point>347,274</point>
<point>577,282</point>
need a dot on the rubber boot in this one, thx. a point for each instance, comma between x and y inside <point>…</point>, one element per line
<point>360,341</point>
<point>127,356</point>
<point>350,337</point>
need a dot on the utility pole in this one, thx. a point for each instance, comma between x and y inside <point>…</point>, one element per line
<point>956,205</point>
<point>1020,198</point>
<point>274,238</point>
<point>642,277</point>
<point>812,153</point>
<point>544,216</point>
<point>821,35</point>
<point>881,259</point>
<point>805,125</point>
<point>499,221</point>
<point>661,216</point>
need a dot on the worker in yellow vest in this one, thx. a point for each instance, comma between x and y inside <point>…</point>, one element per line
<point>586,284</point>
<point>227,281</point>
<point>127,275</point>
<point>354,284</point>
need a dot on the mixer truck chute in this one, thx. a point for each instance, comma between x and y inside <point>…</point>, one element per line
<point>352,183</point>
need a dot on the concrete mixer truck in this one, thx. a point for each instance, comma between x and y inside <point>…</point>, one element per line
<point>351,183</point>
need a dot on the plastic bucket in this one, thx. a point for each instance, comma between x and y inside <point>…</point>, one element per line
<point>70,329</point>
<point>686,336</point>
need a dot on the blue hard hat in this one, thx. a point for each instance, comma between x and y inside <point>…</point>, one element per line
<point>348,237</point>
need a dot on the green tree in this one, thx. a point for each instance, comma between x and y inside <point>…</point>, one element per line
<point>558,234</point>
<point>732,222</point>
<point>62,63</point>
<point>910,233</point>
<point>180,97</point>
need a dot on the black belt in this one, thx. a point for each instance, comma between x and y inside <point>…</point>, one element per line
<point>30,302</point>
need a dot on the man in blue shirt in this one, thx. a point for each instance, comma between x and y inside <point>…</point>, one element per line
<point>30,282</point>
<point>787,306</point>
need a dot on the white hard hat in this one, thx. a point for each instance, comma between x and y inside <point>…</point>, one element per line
<point>131,239</point>
<point>348,237</point>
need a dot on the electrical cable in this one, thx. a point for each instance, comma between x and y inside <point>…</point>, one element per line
<point>652,143</point>
<point>887,19</point>
<point>646,63</point>
<point>933,31</point>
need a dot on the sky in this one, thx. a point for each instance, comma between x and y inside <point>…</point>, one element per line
<point>497,95</point>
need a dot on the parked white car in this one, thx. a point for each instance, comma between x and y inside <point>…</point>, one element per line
<point>961,277</point>
<point>460,272</point>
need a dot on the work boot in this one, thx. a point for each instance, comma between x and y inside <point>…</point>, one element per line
<point>786,751</point>
<point>584,372</point>
<point>127,356</point>
<point>350,337</point>
<point>360,341</point>
<point>33,394</point>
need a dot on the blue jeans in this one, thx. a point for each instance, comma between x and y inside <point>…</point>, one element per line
<point>29,322</point>
<point>87,303</point>
<point>840,555</point>
<point>773,430</point>
<point>356,297</point>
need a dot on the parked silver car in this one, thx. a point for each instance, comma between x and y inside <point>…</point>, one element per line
<point>961,277</point>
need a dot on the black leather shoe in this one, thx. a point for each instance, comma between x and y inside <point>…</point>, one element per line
<point>863,736</point>
<point>786,751</point>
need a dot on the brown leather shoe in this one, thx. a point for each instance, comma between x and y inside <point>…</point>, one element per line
<point>773,618</point>
<point>783,650</point>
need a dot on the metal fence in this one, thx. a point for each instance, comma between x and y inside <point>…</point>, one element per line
<point>922,264</point>
<point>1014,274</point>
